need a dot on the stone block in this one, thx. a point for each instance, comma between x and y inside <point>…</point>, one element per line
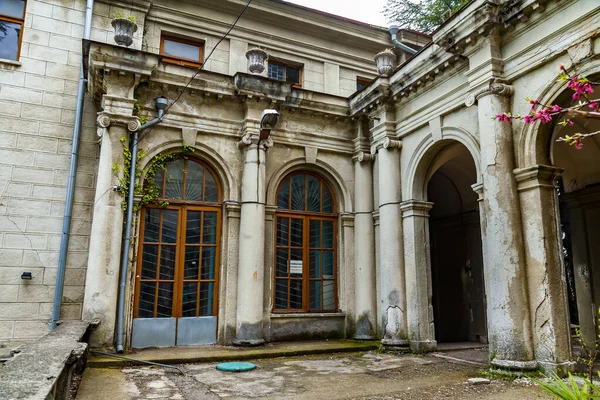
<point>74,59</point>
<point>36,36</point>
<point>48,54</point>
<point>41,113</point>
<point>8,140</point>
<point>19,311</point>
<point>73,276</point>
<point>12,108</point>
<point>49,192</point>
<point>68,15</point>
<point>28,207</point>
<point>52,160</point>
<point>59,100</point>
<point>37,175</point>
<point>51,25</point>
<point>13,78</point>
<point>37,143</point>
<point>17,157</point>
<point>63,71</point>
<point>68,116</point>
<point>10,258</point>
<point>68,311</point>
<point>6,329</point>
<point>12,275</point>
<point>30,330</point>
<point>45,224</point>
<point>73,45</point>
<point>76,242</point>
<point>73,294</point>
<point>77,259</point>
<point>35,7</point>
<point>83,179</point>
<point>16,125</point>
<point>32,66</point>
<point>48,259</point>
<point>44,83</point>
<point>18,189</point>
<point>12,224</point>
<point>36,293</point>
<point>8,293</point>
<point>25,241</point>
<point>56,130</point>
<point>18,94</point>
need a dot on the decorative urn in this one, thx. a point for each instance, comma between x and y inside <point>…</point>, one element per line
<point>256,60</point>
<point>124,30</point>
<point>385,61</point>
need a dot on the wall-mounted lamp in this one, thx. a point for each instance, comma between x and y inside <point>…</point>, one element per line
<point>268,120</point>
<point>27,276</point>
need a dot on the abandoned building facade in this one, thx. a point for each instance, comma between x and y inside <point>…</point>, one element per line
<point>384,205</point>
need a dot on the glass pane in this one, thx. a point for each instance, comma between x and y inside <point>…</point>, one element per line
<point>327,200</point>
<point>314,194</point>
<point>165,300</point>
<point>328,264</point>
<point>149,261</point>
<point>9,39</point>
<point>314,260</point>
<point>328,238</point>
<point>211,190</point>
<point>293,74</point>
<point>315,234</point>
<point>190,266</point>
<point>12,8</point>
<point>147,296</point>
<point>209,234</point>
<point>158,181</point>
<point>296,235</point>
<point>283,197</point>
<point>295,294</point>
<point>194,179</point>
<point>298,193</point>
<point>328,295</point>
<point>296,267</point>
<point>208,263</point>
<point>174,184</point>
<point>151,225</point>
<point>315,295</point>
<point>207,298</point>
<point>192,229</point>
<point>282,231</point>
<point>183,50</point>
<point>169,227</point>
<point>281,262</point>
<point>167,262</point>
<point>276,71</point>
<point>281,294</point>
<point>190,294</point>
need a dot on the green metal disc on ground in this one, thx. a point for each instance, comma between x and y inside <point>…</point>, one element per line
<point>236,366</point>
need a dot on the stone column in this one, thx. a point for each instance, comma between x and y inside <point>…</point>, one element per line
<point>391,261</point>
<point>102,276</point>
<point>251,265</point>
<point>545,272</point>
<point>509,326</point>
<point>417,266</point>
<point>364,248</point>
<point>229,271</point>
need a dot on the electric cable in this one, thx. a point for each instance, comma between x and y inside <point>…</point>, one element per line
<point>233,24</point>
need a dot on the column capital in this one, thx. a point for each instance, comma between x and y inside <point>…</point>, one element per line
<point>496,86</point>
<point>252,140</point>
<point>478,188</point>
<point>347,219</point>
<point>232,209</point>
<point>536,177</point>
<point>361,156</point>
<point>415,208</point>
<point>386,143</point>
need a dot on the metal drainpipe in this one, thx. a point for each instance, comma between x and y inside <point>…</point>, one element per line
<point>161,104</point>
<point>64,240</point>
<point>394,29</point>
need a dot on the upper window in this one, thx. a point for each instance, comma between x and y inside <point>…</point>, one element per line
<point>305,246</point>
<point>12,17</point>
<point>181,51</point>
<point>361,83</point>
<point>285,71</point>
<point>187,180</point>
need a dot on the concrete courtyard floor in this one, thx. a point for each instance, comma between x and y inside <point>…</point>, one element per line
<point>358,376</point>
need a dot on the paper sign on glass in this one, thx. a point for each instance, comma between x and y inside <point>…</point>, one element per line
<point>296,267</point>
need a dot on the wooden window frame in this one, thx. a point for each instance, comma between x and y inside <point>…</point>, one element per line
<point>306,217</point>
<point>183,207</point>
<point>362,81</point>
<point>286,64</point>
<point>20,22</point>
<point>186,62</point>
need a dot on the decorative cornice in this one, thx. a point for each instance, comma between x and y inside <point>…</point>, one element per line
<point>415,208</point>
<point>496,87</point>
<point>540,176</point>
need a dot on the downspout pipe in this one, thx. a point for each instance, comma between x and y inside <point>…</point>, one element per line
<point>161,104</point>
<point>393,30</point>
<point>68,214</point>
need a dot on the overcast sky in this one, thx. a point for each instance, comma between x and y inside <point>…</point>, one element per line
<point>365,11</point>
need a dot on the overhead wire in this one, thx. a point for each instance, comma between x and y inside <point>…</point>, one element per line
<point>182,91</point>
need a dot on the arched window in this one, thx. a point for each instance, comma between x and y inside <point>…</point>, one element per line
<point>179,244</point>
<point>305,245</point>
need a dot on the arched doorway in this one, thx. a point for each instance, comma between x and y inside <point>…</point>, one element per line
<point>176,282</point>
<point>459,309</point>
<point>579,204</point>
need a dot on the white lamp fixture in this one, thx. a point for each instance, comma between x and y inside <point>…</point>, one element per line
<point>268,120</point>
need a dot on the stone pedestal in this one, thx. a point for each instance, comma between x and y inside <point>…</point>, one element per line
<point>508,319</point>
<point>364,248</point>
<point>545,273</point>
<point>251,265</point>
<point>417,265</point>
<point>391,261</point>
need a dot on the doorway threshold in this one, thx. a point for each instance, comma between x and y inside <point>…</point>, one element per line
<point>454,346</point>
